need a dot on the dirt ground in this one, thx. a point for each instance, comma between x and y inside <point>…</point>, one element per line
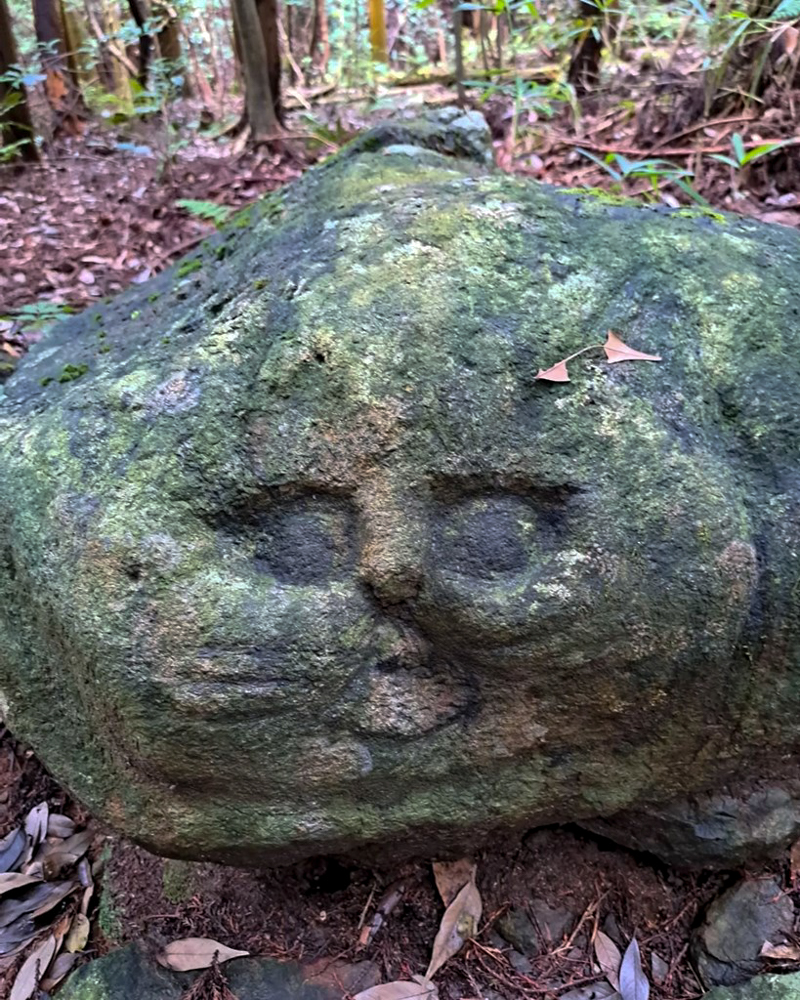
<point>315,912</point>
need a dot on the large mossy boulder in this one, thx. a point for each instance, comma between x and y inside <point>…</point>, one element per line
<point>298,556</point>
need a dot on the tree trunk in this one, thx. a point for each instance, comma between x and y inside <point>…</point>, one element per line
<point>169,44</point>
<point>140,13</point>
<point>459,54</point>
<point>62,95</point>
<point>584,67</point>
<point>15,118</point>
<point>259,106</point>
<point>377,31</point>
<point>320,48</point>
<point>75,39</point>
<point>267,11</point>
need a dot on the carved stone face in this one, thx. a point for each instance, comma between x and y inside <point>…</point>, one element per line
<point>432,579</point>
<point>334,568</point>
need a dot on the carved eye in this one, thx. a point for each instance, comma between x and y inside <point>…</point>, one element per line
<point>306,541</point>
<point>484,536</point>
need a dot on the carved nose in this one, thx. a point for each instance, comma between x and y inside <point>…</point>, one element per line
<point>392,581</point>
<point>393,543</point>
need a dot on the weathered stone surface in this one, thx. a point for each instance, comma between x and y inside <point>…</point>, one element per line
<point>760,988</point>
<point>305,560</point>
<point>727,946</point>
<point>713,829</point>
<point>130,973</point>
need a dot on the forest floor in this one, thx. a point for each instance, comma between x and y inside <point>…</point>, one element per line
<point>102,210</point>
<point>549,892</point>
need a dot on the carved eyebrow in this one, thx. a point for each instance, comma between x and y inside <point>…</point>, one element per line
<point>446,486</point>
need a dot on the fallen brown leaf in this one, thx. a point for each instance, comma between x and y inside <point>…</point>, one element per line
<point>400,990</point>
<point>452,876</point>
<point>558,373</point>
<point>616,351</point>
<point>785,952</point>
<point>459,924</point>
<point>633,984</point>
<point>196,953</point>
<point>608,956</point>
<point>33,969</point>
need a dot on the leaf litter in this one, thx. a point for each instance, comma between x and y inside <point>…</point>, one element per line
<point>38,902</point>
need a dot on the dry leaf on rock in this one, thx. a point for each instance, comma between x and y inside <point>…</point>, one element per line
<point>196,953</point>
<point>459,923</point>
<point>78,934</point>
<point>633,984</point>
<point>617,351</point>
<point>558,373</point>
<point>786,952</point>
<point>33,969</point>
<point>400,990</point>
<point>452,876</point>
<point>609,958</point>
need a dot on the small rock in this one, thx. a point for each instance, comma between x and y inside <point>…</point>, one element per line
<point>516,927</point>
<point>520,963</point>
<point>726,947</point>
<point>553,921</point>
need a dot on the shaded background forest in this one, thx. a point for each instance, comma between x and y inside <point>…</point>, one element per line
<point>130,128</point>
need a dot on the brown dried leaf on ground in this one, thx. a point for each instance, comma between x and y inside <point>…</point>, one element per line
<point>188,954</point>
<point>784,952</point>
<point>10,881</point>
<point>609,958</point>
<point>58,970</point>
<point>459,924</point>
<point>452,876</point>
<point>420,989</point>
<point>33,969</point>
<point>78,933</point>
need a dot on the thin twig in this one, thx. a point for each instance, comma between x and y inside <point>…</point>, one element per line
<point>699,125</point>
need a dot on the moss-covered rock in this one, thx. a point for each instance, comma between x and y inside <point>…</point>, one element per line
<point>761,988</point>
<point>131,973</point>
<point>309,561</point>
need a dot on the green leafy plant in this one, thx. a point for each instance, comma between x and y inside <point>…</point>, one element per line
<point>742,156</point>
<point>209,211</point>
<point>37,316</point>
<point>655,170</point>
<point>15,79</point>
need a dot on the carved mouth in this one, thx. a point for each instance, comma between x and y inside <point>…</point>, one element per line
<point>237,682</point>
